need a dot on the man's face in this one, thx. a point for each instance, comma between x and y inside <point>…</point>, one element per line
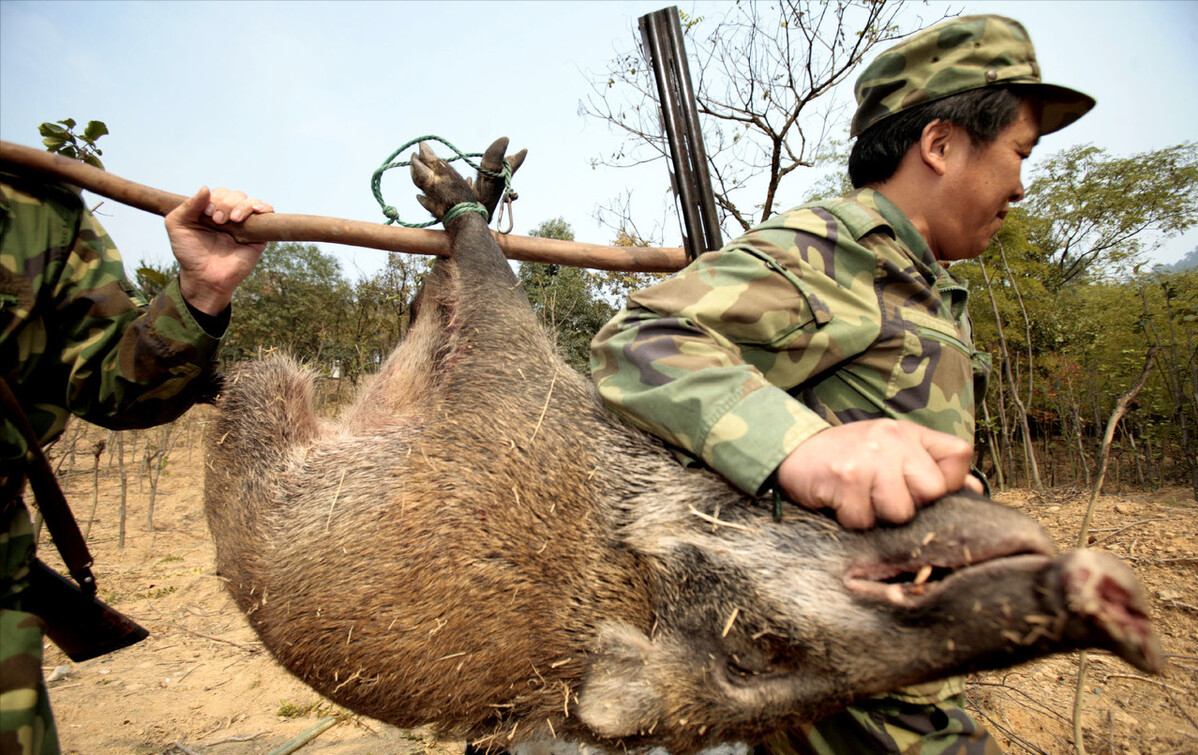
<point>980,184</point>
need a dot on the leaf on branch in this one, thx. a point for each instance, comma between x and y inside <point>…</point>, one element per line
<point>94,130</point>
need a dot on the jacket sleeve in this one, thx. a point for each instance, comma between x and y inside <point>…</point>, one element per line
<point>129,364</point>
<point>686,360</point>
<point>75,335</point>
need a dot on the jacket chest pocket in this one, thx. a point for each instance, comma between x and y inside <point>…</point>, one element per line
<point>932,376</point>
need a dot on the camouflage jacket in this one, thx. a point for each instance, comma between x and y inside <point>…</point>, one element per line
<point>829,313</point>
<point>75,335</point>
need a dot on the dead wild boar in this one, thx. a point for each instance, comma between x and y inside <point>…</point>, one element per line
<point>478,545</point>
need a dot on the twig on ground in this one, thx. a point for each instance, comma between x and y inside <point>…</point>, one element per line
<point>183,676</point>
<point>1034,703</point>
<point>238,738</point>
<point>177,625</point>
<point>1127,527</point>
<point>1184,606</point>
<point>306,736</point>
<point>1168,692</point>
<point>1015,738</point>
<point>246,648</point>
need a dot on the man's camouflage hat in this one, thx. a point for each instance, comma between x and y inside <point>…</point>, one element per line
<point>966,53</point>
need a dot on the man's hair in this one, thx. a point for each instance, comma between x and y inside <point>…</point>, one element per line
<point>983,114</point>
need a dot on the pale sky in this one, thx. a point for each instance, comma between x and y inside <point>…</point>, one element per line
<point>299,102</point>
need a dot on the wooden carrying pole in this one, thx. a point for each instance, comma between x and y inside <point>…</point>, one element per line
<point>315,228</point>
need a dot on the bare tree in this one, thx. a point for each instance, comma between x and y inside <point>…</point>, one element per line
<point>123,510</point>
<point>157,453</point>
<point>764,73</point>
<point>1006,357</point>
<point>1082,538</point>
<point>97,449</point>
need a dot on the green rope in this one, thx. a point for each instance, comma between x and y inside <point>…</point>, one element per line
<point>461,209</point>
<point>393,215</point>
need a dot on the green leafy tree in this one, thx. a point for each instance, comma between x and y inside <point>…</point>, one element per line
<point>152,279</point>
<point>1169,322</point>
<point>567,299</point>
<point>380,313</point>
<point>1099,214</point>
<point>60,138</point>
<point>615,285</point>
<point>296,300</point>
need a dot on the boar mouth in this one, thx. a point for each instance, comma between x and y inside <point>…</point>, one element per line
<point>913,580</point>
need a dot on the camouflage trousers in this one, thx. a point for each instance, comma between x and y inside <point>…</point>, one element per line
<point>890,725</point>
<point>26,724</point>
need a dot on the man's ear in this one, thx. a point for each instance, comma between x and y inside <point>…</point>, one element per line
<point>935,144</point>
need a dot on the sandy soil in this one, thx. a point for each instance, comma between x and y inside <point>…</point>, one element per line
<point>202,685</point>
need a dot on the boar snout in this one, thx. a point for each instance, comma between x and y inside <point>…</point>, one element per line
<point>1107,607</point>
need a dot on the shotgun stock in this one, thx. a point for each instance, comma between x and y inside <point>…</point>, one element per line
<point>82,625</point>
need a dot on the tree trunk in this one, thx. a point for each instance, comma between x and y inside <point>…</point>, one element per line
<point>1021,411</point>
<point>1135,455</point>
<point>1027,325</point>
<point>1104,454</point>
<point>994,448</point>
<point>120,455</point>
<point>97,450</point>
<point>158,462</point>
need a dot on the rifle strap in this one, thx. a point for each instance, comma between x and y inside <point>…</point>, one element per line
<point>50,500</point>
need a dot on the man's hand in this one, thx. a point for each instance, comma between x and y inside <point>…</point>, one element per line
<point>211,263</point>
<point>876,470</point>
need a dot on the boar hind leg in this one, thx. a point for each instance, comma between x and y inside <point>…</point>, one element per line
<point>475,252</point>
<point>470,304</point>
<point>476,287</point>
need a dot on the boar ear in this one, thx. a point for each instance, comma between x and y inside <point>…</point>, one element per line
<point>618,697</point>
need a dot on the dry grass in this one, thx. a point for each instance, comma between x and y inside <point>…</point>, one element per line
<point>201,682</point>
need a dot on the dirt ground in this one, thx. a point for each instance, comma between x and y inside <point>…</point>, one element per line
<point>202,684</point>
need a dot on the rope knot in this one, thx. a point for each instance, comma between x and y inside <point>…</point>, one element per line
<point>504,172</point>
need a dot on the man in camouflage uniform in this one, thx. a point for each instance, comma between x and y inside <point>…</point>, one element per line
<point>827,353</point>
<point>76,337</point>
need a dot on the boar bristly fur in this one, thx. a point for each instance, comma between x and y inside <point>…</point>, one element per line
<point>478,545</point>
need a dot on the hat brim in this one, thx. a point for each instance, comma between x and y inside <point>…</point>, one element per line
<point>1061,105</point>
